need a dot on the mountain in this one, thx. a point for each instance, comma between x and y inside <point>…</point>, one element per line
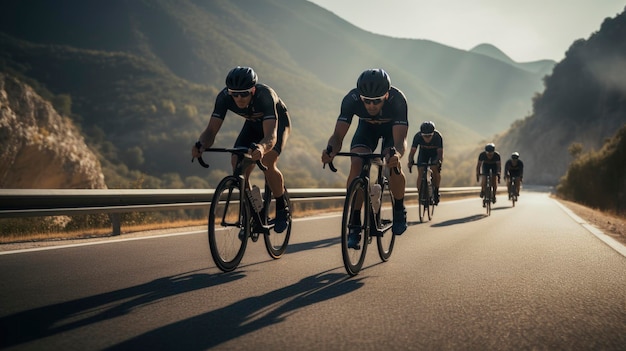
<point>541,67</point>
<point>583,104</point>
<point>142,75</point>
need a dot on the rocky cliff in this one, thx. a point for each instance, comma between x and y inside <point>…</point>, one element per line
<point>39,149</point>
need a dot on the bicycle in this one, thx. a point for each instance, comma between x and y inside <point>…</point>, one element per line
<point>513,190</point>
<point>426,191</point>
<point>234,218</point>
<point>489,193</point>
<point>367,209</point>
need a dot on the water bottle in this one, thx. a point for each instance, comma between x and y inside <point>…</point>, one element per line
<point>255,198</point>
<point>375,197</point>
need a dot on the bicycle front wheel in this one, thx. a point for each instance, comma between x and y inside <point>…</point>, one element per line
<point>385,240</point>
<point>229,225</point>
<point>354,236</point>
<point>424,202</point>
<point>275,243</point>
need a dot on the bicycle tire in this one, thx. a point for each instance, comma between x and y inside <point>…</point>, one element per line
<point>275,243</point>
<point>424,201</point>
<point>386,240</point>
<point>487,198</point>
<point>353,258</point>
<point>229,224</point>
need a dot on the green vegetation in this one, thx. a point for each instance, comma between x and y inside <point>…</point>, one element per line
<point>598,178</point>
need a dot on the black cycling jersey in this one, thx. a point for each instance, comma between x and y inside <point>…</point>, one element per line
<point>427,150</point>
<point>372,128</point>
<point>394,110</point>
<point>264,105</point>
<point>489,163</point>
<point>514,170</point>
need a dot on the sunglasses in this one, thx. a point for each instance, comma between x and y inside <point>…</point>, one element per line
<point>374,101</point>
<point>239,93</point>
<point>427,135</point>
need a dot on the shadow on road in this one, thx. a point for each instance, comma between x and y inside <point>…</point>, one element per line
<point>460,220</point>
<point>246,316</point>
<point>50,320</point>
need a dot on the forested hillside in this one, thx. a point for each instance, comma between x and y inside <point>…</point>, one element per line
<point>584,103</point>
<point>139,77</point>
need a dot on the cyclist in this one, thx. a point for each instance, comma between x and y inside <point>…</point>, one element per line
<point>488,160</point>
<point>267,124</point>
<point>430,143</point>
<point>514,167</point>
<point>382,111</point>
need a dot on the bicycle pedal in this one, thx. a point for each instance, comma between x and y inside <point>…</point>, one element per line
<point>254,237</point>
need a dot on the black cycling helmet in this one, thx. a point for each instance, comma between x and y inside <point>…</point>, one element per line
<point>373,83</point>
<point>427,127</point>
<point>515,155</point>
<point>491,147</point>
<point>241,78</point>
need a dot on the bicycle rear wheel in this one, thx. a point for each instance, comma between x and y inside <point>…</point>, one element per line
<point>385,239</point>
<point>355,220</point>
<point>229,227</point>
<point>275,243</point>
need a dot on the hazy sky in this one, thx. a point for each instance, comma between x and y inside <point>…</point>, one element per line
<point>525,30</point>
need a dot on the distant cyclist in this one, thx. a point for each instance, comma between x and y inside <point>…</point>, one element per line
<point>488,160</point>
<point>267,124</point>
<point>430,143</point>
<point>382,111</point>
<point>514,167</point>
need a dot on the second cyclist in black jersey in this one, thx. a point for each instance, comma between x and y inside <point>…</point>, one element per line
<point>267,125</point>
<point>382,112</point>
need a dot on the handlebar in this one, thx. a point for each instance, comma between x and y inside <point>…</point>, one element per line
<point>422,164</point>
<point>239,151</point>
<point>365,156</point>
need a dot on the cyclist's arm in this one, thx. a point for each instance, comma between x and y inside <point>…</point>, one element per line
<point>399,132</point>
<point>336,140</point>
<point>269,139</point>
<point>412,155</point>
<point>207,138</point>
<point>440,154</point>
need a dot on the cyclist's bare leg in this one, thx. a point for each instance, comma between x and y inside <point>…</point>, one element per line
<point>273,175</point>
<point>356,165</point>
<point>436,176</point>
<point>483,182</point>
<point>420,170</point>
<point>397,183</point>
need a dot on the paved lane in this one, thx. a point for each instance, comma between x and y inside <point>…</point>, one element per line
<point>527,277</point>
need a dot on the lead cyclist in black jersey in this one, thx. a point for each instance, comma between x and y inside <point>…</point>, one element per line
<point>382,111</point>
<point>267,125</point>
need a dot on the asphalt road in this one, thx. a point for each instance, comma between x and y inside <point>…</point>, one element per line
<point>524,278</point>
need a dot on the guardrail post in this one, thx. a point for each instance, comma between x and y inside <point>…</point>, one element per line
<point>116,223</point>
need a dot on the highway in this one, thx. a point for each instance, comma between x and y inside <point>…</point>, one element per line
<point>525,278</point>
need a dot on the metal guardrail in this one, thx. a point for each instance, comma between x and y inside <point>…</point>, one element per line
<point>55,202</point>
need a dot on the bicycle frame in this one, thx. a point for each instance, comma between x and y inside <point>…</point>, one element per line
<point>226,251</point>
<point>372,224</point>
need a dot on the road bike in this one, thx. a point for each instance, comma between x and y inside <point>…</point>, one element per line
<point>426,191</point>
<point>367,212</point>
<point>234,218</point>
<point>513,190</point>
<point>490,193</point>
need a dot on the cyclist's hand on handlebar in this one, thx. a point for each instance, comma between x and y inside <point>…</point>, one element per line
<point>411,162</point>
<point>327,157</point>
<point>196,150</point>
<point>256,152</point>
<point>393,161</point>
